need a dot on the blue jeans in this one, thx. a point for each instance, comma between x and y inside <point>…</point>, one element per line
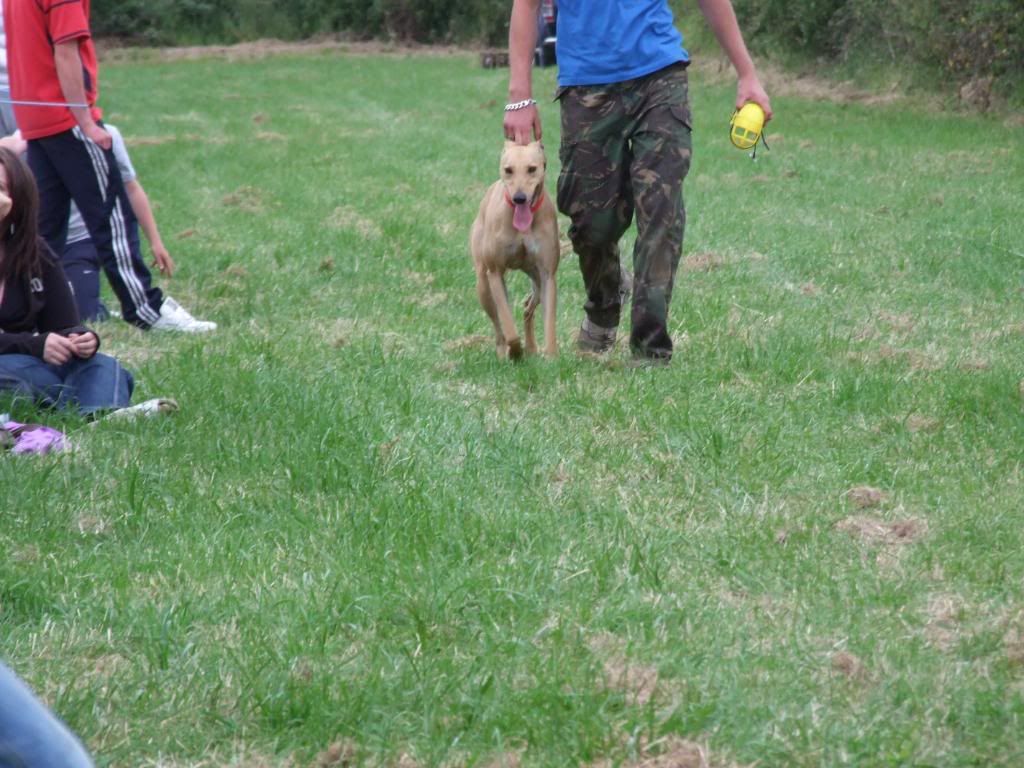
<point>30,735</point>
<point>96,384</point>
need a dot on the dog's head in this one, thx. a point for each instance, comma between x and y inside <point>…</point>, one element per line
<point>522,174</point>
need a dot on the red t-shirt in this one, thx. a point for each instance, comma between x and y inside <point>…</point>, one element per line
<point>32,28</point>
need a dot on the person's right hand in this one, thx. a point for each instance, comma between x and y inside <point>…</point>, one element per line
<point>96,134</point>
<point>58,349</point>
<point>521,123</point>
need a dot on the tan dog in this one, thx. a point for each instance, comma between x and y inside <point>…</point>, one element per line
<point>517,228</point>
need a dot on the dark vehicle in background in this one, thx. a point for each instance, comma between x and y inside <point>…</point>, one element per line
<point>547,21</point>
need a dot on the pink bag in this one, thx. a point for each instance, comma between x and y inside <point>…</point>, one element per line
<point>34,438</point>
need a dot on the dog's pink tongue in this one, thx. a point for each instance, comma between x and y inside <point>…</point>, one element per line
<point>522,217</point>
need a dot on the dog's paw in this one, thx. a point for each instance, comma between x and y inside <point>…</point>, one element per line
<point>515,349</point>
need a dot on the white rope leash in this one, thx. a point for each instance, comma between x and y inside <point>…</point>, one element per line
<point>43,103</point>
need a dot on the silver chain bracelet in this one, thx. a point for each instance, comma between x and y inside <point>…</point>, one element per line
<point>519,105</point>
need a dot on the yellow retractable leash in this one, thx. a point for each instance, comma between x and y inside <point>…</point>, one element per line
<point>746,126</point>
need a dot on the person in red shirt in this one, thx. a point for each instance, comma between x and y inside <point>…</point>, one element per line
<point>49,48</point>
<point>52,65</point>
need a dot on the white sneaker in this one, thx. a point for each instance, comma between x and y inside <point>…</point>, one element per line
<point>174,317</point>
<point>155,407</point>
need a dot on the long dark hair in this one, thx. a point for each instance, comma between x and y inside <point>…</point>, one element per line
<point>19,230</point>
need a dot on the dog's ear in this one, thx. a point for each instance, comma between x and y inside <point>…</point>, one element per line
<point>540,145</point>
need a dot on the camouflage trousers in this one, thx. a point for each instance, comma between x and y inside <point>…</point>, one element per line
<point>626,150</point>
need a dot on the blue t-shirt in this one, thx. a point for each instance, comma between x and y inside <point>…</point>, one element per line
<point>608,41</point>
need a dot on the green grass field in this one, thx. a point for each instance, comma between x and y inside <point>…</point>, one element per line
<point>364,540</point>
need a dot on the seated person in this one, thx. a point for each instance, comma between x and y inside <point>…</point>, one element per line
<point>81,262</point>
<point>45,352</point>
<point>30,735</point>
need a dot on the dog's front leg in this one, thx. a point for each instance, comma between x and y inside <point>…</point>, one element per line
<point>529,317</point>
<point>483,292</point>
<point>499,296</point>
<point>549,293</point>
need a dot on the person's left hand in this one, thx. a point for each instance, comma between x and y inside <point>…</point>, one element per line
<point>97,134</point>
<point>162,260</point>
<point>750,89</point>
<point>85,344</point>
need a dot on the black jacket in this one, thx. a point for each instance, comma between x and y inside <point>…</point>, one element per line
<point>34,307</point>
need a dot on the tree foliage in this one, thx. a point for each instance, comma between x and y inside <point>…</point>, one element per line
<point>964,40</point>
<point>167,22</point>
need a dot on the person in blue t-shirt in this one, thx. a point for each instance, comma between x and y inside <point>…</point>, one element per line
<point>625,147</point>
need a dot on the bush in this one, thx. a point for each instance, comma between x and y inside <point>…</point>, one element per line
<point>161,22</point>
<point>985,39</point>
<point>964,41</point>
